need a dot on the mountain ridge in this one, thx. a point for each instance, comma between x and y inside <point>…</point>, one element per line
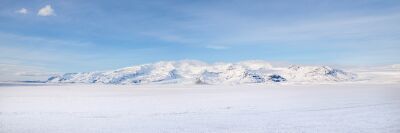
<point>197,72</point>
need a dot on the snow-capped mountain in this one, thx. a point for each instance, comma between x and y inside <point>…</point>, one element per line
<point>196,72</point>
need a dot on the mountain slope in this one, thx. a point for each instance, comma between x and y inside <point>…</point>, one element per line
<point>196,72</point>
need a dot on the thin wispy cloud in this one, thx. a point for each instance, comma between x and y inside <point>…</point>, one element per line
<point>22,11</point>
<point>239,29</point>
<point>46,11</point>
<point>39,49</point>
<point>168,37</point>
<point>216,47</point>
<point>13,72</point>
<point>47,42</point>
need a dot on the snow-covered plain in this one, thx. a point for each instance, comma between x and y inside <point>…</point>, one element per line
<point>94,108</point>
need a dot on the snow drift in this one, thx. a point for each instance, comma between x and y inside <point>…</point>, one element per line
<point>196,72</point>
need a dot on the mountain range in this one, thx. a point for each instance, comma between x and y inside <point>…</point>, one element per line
<point>197,72</point>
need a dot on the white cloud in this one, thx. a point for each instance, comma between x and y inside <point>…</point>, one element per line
<point>22,11</point>
<point>46,11</point>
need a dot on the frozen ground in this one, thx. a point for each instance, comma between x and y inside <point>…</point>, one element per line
<point>75,108</point>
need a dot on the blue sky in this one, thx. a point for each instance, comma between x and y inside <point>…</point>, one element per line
<point>43,36</point>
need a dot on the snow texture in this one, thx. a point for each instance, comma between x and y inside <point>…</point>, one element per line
<point>246,108</point>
